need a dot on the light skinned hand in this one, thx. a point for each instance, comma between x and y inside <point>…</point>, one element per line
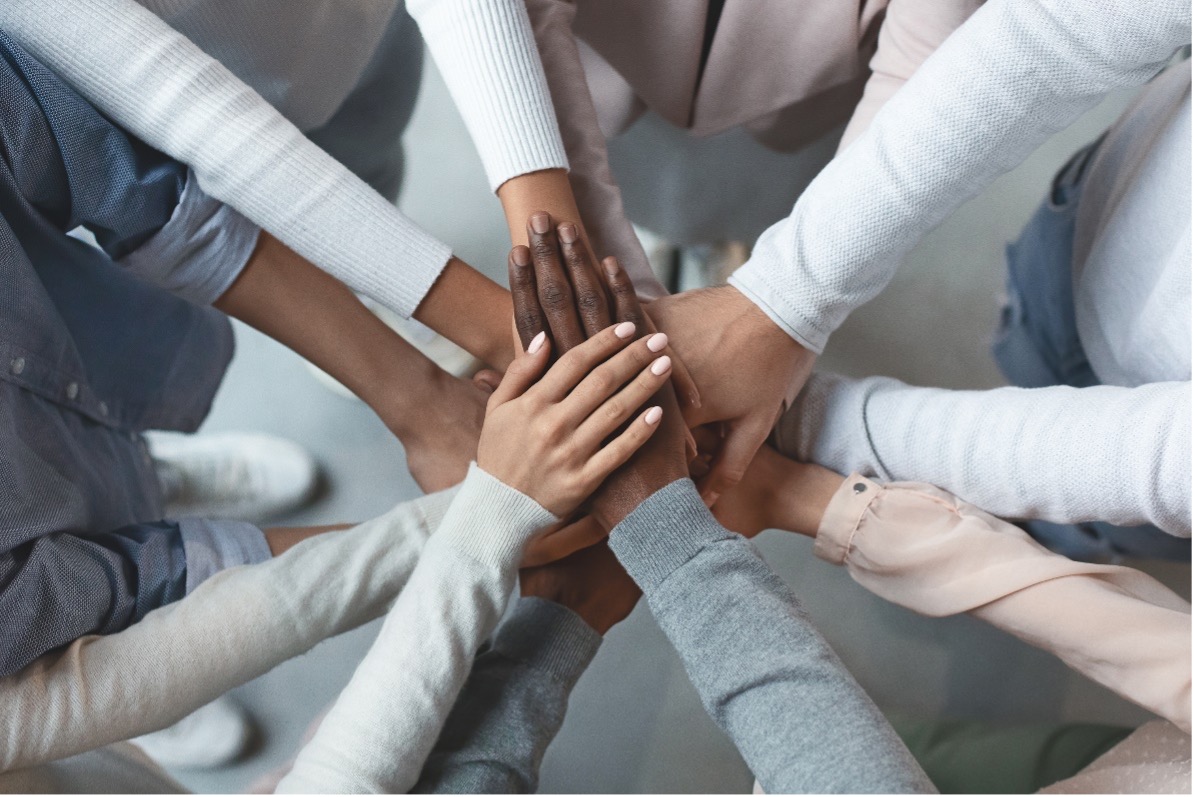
<point>550,437</point>
<point>744,366</point>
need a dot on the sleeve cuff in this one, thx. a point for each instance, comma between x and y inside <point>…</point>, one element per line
<point>548,638</point>
<point>199,252</point>
<point>214,545</point>
<point>842,516</point>
<point>664,532</point>
<point>756,289</point>
<point>489,521</point>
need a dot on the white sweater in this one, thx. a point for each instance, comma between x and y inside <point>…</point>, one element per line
<point>243,622</point>
<point>167,91</point>
<point>1015,73</point>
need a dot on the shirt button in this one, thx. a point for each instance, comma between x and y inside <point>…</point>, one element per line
<point>860,487</point>
<point>17,365</point>
<point>72,390</point>
<point>103,408</point>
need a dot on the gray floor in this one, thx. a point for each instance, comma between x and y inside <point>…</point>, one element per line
<point>635,724</point>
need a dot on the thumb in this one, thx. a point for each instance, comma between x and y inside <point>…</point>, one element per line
<point>739,447</point>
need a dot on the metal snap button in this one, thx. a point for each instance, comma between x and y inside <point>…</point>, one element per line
<point>17,365</point>
<point>72,390</point>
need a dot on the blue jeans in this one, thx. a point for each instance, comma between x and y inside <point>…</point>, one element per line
<point>1038,346</point>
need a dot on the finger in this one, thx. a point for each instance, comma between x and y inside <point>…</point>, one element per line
<point>732,459</point>
<point>563,543</point>
<point>592,302</point>
<point>605,379</point>
<point>555,291</point>
<point>617,409</point>
<point>618,451</point>
<point>626,304</point>
<point>687,392</point>
<point>487,380</point>
<point>524,371</point>
<point>528,317</point>
<point>574,366</point>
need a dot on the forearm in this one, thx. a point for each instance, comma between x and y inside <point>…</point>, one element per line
<point>1014,74</point>
<point>472,311</point>
<point>764,673</point>
<point>237,625</point>
<point>377,736</point>
<point>513,704</point>
<point>924,549</point>
<point>1066,455</point>
<point>282,538</point>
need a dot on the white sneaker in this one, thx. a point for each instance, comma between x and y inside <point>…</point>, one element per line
<point>239,476</point>
<point>211,737</point>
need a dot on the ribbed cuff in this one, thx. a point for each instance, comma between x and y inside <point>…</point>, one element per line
<point>199,252</point>
<point>486,52</point>
<point>490,521</point>
<point>664,532</point>
<point>842,516</point>
<point>751,285</point>
<point>214,545</point>
<point>548,638</point>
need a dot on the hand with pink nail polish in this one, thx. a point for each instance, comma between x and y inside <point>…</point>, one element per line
<point>558,437</point>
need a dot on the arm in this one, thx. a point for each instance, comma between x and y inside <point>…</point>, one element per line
<point>912,30</point>
<point>763,672</point>
<point>1062,454</point>
<point>244,153</point>
<point>237,625</point>
<point>926,550</point>
<point>589,178</point>
<point>1015,73</point>
<point>513,704</point>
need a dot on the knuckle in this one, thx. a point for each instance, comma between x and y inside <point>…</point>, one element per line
<point>543,249</point>
<point>554,294</point>
<point>614,410</point>
<point>527,321</point>
<point>589,301</point>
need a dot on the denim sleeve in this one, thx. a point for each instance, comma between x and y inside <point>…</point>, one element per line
<point>763,672</point>
<point>512,705</point>
<point>59,587</point>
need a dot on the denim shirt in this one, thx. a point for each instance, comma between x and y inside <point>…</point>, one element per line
<point>90,355</point>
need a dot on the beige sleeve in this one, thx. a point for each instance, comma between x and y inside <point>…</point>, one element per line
<point>237,625</point>
<point>911,31</point>
<point>926,550</point>
<point>597,194</point>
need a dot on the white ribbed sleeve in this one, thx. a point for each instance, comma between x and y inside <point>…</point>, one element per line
<point>160,86</point>
<point>1063,454</point>
<point>1015,73</point>
<point>486,52</point>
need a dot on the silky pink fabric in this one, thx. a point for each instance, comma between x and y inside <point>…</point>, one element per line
<point>926,550</point>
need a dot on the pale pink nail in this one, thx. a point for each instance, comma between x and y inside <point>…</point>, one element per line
<point>567,233</point>
<point>660,366</point>
<point>540,222</point>
<point>657,342</point>
<point>537,343</point>
<point>611,266</point>
<point>653,415</point>
<point>624,330</point>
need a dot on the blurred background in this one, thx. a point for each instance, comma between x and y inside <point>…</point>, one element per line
<point>635,724</point>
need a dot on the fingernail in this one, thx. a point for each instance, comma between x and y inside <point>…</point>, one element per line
<point>657,342</point>
<point>660,366</point>
<point>537,343</point>
<point>653,415</point>
<point>540,222</point>
<point>521,256</point>
<point>611,266</point>
<point>624,330</point>
<point>567,233</point>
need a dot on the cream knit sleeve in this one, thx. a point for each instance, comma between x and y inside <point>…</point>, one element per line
<point>164,89</point>
<point>1015,73</point>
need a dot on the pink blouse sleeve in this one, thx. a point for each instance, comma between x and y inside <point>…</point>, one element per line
<point>926,550</point>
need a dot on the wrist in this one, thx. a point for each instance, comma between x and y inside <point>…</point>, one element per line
<point>799,505</point>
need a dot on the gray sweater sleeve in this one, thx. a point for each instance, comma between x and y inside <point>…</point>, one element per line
<point>513,704</point>
<point>764,673</point>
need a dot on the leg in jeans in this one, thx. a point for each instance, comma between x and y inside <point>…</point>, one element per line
<point>1037,346</point>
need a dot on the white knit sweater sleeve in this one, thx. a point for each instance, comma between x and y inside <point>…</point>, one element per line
<point>1015,73</point>
<point>1062,454</point>
<point>161,87</point>
<point>235,626</point>
<point>486,52</point>
<point>383,726</point>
